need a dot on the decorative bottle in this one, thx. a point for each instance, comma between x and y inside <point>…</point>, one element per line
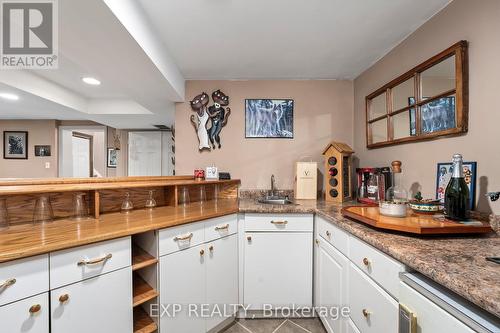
<point>396,193</point>
<point>456,197</point>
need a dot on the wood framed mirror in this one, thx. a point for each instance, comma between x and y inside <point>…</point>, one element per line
<point>427,102</point>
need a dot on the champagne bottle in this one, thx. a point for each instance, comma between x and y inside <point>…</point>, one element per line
<point>456,197</point>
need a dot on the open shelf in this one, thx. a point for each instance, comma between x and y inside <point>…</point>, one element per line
<point>143,292</point>
<point>141,258</point>
<point>142,322</point>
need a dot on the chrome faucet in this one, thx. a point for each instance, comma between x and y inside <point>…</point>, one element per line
<point>272,185</point>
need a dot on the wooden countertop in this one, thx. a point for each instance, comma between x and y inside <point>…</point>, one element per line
<point>16,186</point>
<point>33,239</point>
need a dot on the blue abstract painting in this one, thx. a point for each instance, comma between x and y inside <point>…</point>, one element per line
<point>269,118</point>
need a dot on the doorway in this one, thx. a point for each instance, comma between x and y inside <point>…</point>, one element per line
<point>83,156</point>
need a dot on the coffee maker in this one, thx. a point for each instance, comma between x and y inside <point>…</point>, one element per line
<point>372,184</point>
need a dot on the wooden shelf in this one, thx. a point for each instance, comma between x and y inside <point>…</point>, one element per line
<point>143,292</point>
<point>141,258</point>
<point>142,322</point>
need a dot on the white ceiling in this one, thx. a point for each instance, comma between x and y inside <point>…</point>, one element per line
<point>287,39</point>
<point>143,50</point>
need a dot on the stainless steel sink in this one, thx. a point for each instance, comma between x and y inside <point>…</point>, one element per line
<point>275,201</point>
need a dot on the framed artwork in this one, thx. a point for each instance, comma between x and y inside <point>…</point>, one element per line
<point>437,115</point>
<point>15,145</point>
<point>269,118</point>
<point>42,151</point>
<point>112,158</point>
<point>444,172</point>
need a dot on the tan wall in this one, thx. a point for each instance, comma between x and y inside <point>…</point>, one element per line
<point>322,112</point>
<point>477,22</point>
<point>40,132</point>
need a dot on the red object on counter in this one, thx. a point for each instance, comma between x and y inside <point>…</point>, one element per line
<point>199,174</point>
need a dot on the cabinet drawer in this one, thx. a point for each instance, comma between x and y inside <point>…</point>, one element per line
<point>383,269</point>
<point>333,235</point>
<point>372,309</point>
<point>220,227</point>
<point>23,278</point>
<point>19,317</point>
<point>181,237</point>
<point>279,222</point>
<point>84,262</point>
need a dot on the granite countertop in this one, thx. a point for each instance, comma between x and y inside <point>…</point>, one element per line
<point>456,262</point>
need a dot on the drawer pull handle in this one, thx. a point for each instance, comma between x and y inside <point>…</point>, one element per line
<point>211,248</point>
<point>8,283</point>
<point>366,313</point>
<point>279,222</point>
<point>202,252</point>
<point>366,262</point>
<point>328,233</point>
<point>317,241</point>
<point>249,238</point>
<point>63,298</point>
<point>183,238</point>
<point>35,308</point>
<point>84,262</point>
<point>222,227</point>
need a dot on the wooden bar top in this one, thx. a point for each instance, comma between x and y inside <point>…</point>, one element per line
<point>32,239</point>
<point>30,186</point>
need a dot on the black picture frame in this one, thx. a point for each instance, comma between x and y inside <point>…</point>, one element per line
<point>112,161</point>
<point>9,153</point>
<point>42,150</point>
<point>285,125</point>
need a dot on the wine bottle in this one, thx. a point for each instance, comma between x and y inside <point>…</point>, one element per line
<point>456,197</point>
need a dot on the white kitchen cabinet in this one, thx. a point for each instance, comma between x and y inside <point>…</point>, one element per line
<point>30,315</point>
<point>350,327</point>
<point>278,269</point>
<point>332,285</point>
<point>373,310</point>
<point>99,304</point>
<point>222,279</point>
<point>183,282</point>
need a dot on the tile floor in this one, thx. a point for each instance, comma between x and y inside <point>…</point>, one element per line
<point>302,325</point>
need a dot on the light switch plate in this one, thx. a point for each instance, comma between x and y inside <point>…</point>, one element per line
<point>47,165</point>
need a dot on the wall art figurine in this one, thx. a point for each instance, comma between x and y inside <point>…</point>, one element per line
<point>218,114</point>
<point>200,120</point>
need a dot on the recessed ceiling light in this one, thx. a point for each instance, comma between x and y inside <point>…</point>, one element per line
<point>9,96</point>
<point>92,81</point>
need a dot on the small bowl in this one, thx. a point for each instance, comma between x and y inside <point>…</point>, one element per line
<point>426,206</point>
<point>393,209</point>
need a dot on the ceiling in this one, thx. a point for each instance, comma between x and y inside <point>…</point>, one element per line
<point>288,39</point>
<point>142,51</point>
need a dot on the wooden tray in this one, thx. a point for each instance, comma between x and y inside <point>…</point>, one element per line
<point>414,223</point>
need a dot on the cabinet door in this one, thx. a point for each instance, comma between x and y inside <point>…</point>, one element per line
<point>222,279</point>
<point>332,271</point>
<point>99,304</point>
<point>183,282</point>
<point>30,315</point>
<point>278,269</point>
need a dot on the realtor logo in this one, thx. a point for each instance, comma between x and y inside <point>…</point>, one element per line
<point>29,34</point>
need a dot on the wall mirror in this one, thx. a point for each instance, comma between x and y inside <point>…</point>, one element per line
<point>429,101</point>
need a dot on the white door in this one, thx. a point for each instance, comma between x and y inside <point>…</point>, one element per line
<point>183,282</point>
<point>278,269</point>
<point>99,304</point>
<point>30,315</point>
<point>222,279</point>
<point>81,149</point>
<point>145,153</point>
<point>332,271</point>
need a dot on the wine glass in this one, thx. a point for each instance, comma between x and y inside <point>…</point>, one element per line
<point>127,204</point>
<point>203,194</point>
<point>43,210</point>
<point>4,216</point>
<point>184,196</point>
<point>216,192</point>
<point>150,201</point>
<point>80,207</point>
